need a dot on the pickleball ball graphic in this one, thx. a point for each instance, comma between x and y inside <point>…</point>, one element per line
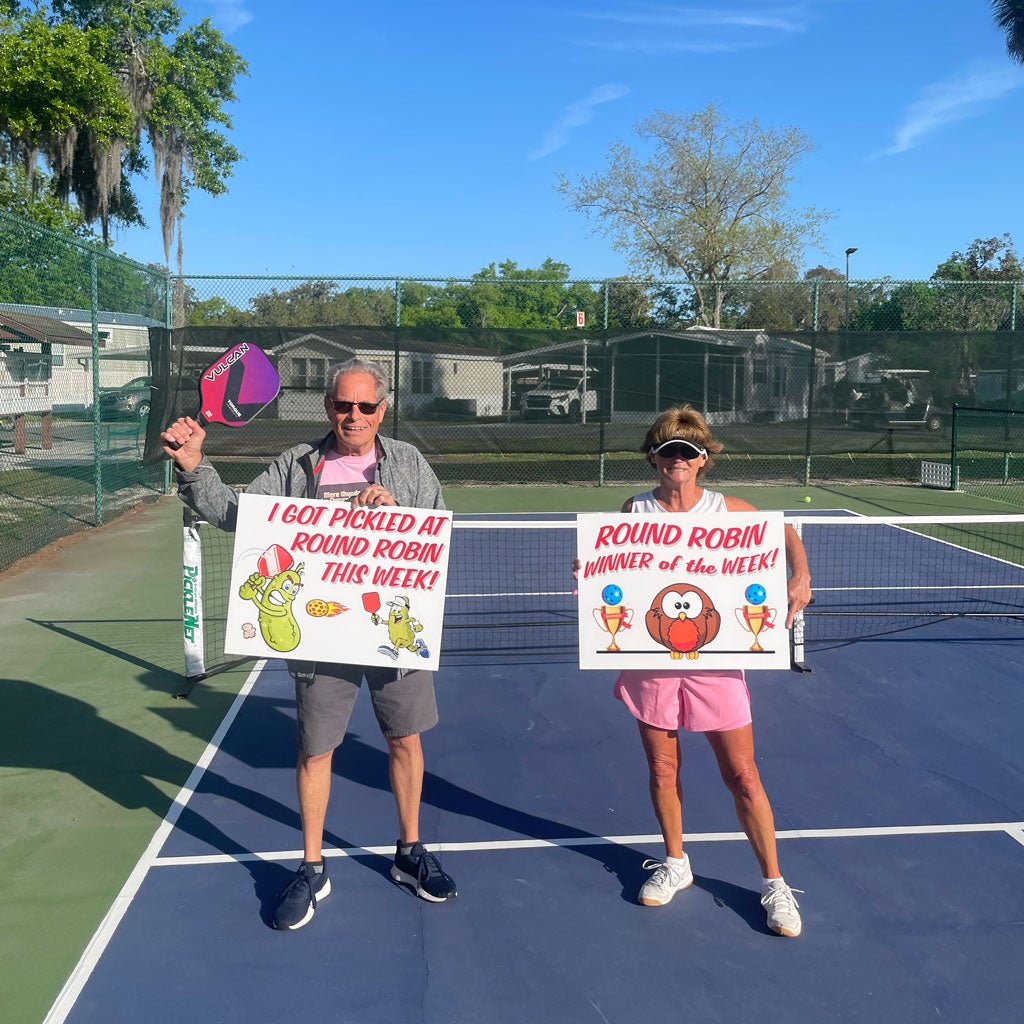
<point>318,608</point>
<point>755,594</point>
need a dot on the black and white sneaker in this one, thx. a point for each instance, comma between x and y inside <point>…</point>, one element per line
<point>422,872</point>
<point>298,900</point>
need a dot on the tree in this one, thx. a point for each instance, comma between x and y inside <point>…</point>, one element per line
<point>319,303</point>
<point>711,201</point>
<point>215,311</point>
<point>630,303</point>
<point>46,267</point>
<point>508,296</point>
<point>965,293</point>
<point>31,196</point>
<point>1009,16</point>
<point>81,83</point>
<point>986,259</point>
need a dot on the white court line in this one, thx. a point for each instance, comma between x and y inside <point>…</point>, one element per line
<point>1015,829</point>
<point>67,996</point>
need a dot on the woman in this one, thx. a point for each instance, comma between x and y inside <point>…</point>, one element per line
<point>680,448</point>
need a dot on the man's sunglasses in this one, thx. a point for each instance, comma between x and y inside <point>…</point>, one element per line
<point>366,408</point>
<point>679,450</point>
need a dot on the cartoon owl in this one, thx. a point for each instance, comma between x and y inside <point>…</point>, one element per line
<point>683,619</point>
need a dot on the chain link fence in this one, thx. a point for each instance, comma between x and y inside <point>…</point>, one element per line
<point>526,300</point>
<point>509,376</point>
<point>74,384</point>
<point>988,451</point>
<point>491,406</point>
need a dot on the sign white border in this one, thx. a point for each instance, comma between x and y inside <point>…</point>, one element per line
<point>327,581</point>
<point>682,593</point>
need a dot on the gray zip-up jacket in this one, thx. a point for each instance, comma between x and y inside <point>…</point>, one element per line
<point>401,469</point>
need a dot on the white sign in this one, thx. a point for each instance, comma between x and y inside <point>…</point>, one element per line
<point>682,592</point>
<point>329,581</point>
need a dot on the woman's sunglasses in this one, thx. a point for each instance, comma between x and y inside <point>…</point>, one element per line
<point>366,408</point>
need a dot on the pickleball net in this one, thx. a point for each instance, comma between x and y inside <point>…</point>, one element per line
<point>511,594</point>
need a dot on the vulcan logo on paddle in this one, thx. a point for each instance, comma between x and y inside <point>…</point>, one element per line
<point>236,353</point>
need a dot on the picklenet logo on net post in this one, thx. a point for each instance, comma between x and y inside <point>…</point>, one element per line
<point>190,616</point>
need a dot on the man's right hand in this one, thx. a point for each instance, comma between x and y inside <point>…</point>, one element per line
<point>183,442</point>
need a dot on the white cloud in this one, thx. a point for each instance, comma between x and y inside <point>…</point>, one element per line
<point>654,29</point>
<point>781,19</point>
<point>957,99</point>
<point>576,115</point>
<point>229,15</point>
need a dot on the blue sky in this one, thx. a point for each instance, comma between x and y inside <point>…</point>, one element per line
<point>423,139</point>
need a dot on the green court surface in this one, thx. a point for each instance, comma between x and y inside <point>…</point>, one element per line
<point>895,499</point>
<point>93,747</point>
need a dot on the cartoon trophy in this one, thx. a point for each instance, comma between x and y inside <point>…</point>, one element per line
<point>753,616</point>
<point>611,616</point>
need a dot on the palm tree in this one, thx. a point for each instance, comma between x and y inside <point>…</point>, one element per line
<point>1009,16</point>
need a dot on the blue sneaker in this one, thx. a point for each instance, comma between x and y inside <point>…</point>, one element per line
<point>422,872</point>
<point>297,901</point>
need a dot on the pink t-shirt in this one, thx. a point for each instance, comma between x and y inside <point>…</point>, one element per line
<point>344,476</point>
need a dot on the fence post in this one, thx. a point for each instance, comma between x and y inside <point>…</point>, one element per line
<point>812,373</point>
<point>97,443</point>
<point>169,324</point>
<point>398,352</point>
<point>605,402</point>
<point>954,471</point>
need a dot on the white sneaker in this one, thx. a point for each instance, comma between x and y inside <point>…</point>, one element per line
<point>666,881</point>
<point>782,907</point>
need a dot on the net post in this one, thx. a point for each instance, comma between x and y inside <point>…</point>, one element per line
<point>191,602</point>
<point>798,653</point>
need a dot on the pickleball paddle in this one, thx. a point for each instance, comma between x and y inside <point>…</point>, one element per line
<point>237,386</point>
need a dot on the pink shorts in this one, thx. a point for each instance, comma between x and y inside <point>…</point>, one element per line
<point>709,701</point>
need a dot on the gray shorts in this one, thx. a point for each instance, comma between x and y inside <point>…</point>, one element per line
<point>403,701</point>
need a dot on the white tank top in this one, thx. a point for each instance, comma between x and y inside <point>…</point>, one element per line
<point>710,501</point>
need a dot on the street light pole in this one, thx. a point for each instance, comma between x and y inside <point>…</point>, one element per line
<point>849,253</point>
<point>846,314</point>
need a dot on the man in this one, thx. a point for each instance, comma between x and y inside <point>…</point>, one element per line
<point>352,463</point>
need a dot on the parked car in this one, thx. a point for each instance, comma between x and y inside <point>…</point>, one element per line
<point>891,404</point>
<point>126,401</point>
<point>562,395</point>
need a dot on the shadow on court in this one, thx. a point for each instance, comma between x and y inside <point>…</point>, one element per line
<point>43,730</point>
<point>365,766</point>
<point>107,636</point>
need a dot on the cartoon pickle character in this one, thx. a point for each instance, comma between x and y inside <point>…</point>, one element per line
<point>402,629</point>
<point>273,598</point>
